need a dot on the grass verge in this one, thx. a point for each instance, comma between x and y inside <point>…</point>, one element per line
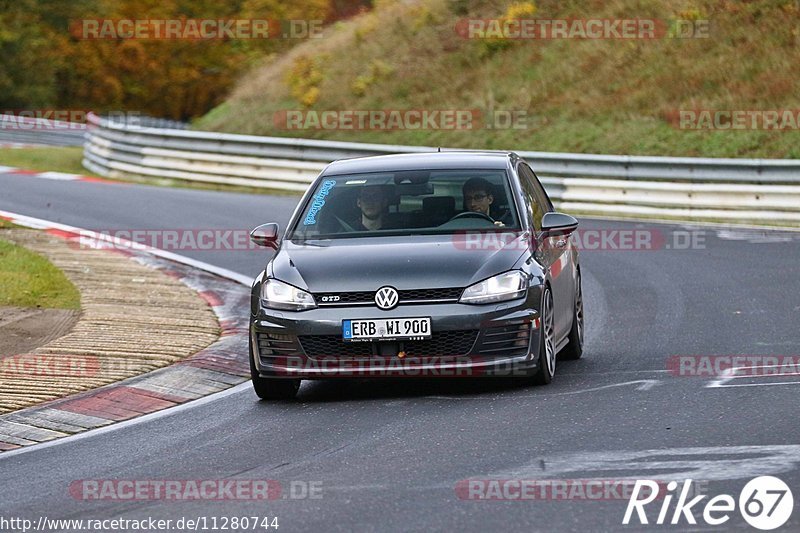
<point>29,280</point>
<point>5,224</point>
<point>51,158</point>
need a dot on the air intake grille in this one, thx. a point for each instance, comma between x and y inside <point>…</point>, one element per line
<point>275,345</point>
<point>506,340</point>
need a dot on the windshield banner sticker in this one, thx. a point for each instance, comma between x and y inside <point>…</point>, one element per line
<point>319,201</point>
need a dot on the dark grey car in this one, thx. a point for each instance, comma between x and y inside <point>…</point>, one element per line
<point>449,264</point>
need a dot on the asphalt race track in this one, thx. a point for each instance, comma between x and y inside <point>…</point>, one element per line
<point>389,455</point>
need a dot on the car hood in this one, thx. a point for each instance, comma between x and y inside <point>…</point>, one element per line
<point>368,263</point>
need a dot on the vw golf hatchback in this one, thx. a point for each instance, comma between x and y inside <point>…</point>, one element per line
<point>423,265</point>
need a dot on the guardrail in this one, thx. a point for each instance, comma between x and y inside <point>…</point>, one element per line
<point>765,191</point>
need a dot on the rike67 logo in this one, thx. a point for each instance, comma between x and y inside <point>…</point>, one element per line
<point>765,503</point>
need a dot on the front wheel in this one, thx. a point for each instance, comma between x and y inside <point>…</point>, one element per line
<point>271,388</point>
<point>547,341</point>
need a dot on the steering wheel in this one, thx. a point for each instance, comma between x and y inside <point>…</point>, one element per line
<point>472,214</point>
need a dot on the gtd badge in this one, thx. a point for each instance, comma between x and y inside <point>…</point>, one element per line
<point>386,298</point>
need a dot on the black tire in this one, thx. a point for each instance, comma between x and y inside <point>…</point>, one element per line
<point>574,348</point>
<point>271,388</point>
<point>547,341</point>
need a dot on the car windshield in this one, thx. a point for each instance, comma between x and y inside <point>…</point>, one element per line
<point>407,202</point>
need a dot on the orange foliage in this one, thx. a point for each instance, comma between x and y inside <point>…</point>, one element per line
<point>178,79</point>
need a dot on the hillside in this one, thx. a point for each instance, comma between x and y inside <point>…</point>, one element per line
<point>619,96</point>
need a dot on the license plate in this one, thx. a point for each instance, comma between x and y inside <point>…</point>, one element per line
<point>386,329</point>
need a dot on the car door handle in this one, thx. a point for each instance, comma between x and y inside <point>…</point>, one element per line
<point>561,243</point>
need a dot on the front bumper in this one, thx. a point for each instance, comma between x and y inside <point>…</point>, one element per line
<point>467,341</point>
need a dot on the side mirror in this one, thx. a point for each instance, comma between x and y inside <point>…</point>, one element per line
<point>266,235</point>
<point>555,223</point>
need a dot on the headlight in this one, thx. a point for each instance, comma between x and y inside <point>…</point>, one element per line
<point>506,286</point>
<point>279,295</point>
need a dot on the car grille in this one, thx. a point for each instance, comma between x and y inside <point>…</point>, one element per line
<point>430,294</point>
<point>408,296</point>
<point>444,343</point>
<point>511,339</point>
<point>333,346</point>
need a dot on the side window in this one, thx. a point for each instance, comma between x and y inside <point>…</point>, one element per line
<point>539,190</point>
<point>537,202</point>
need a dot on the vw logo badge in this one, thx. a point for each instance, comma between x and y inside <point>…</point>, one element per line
<point>386,298</point>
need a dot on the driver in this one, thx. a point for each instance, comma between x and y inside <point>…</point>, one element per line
<point>373,201</point>
<point>478,197</point>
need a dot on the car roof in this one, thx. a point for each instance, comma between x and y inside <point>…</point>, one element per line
<point>451,159</point>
